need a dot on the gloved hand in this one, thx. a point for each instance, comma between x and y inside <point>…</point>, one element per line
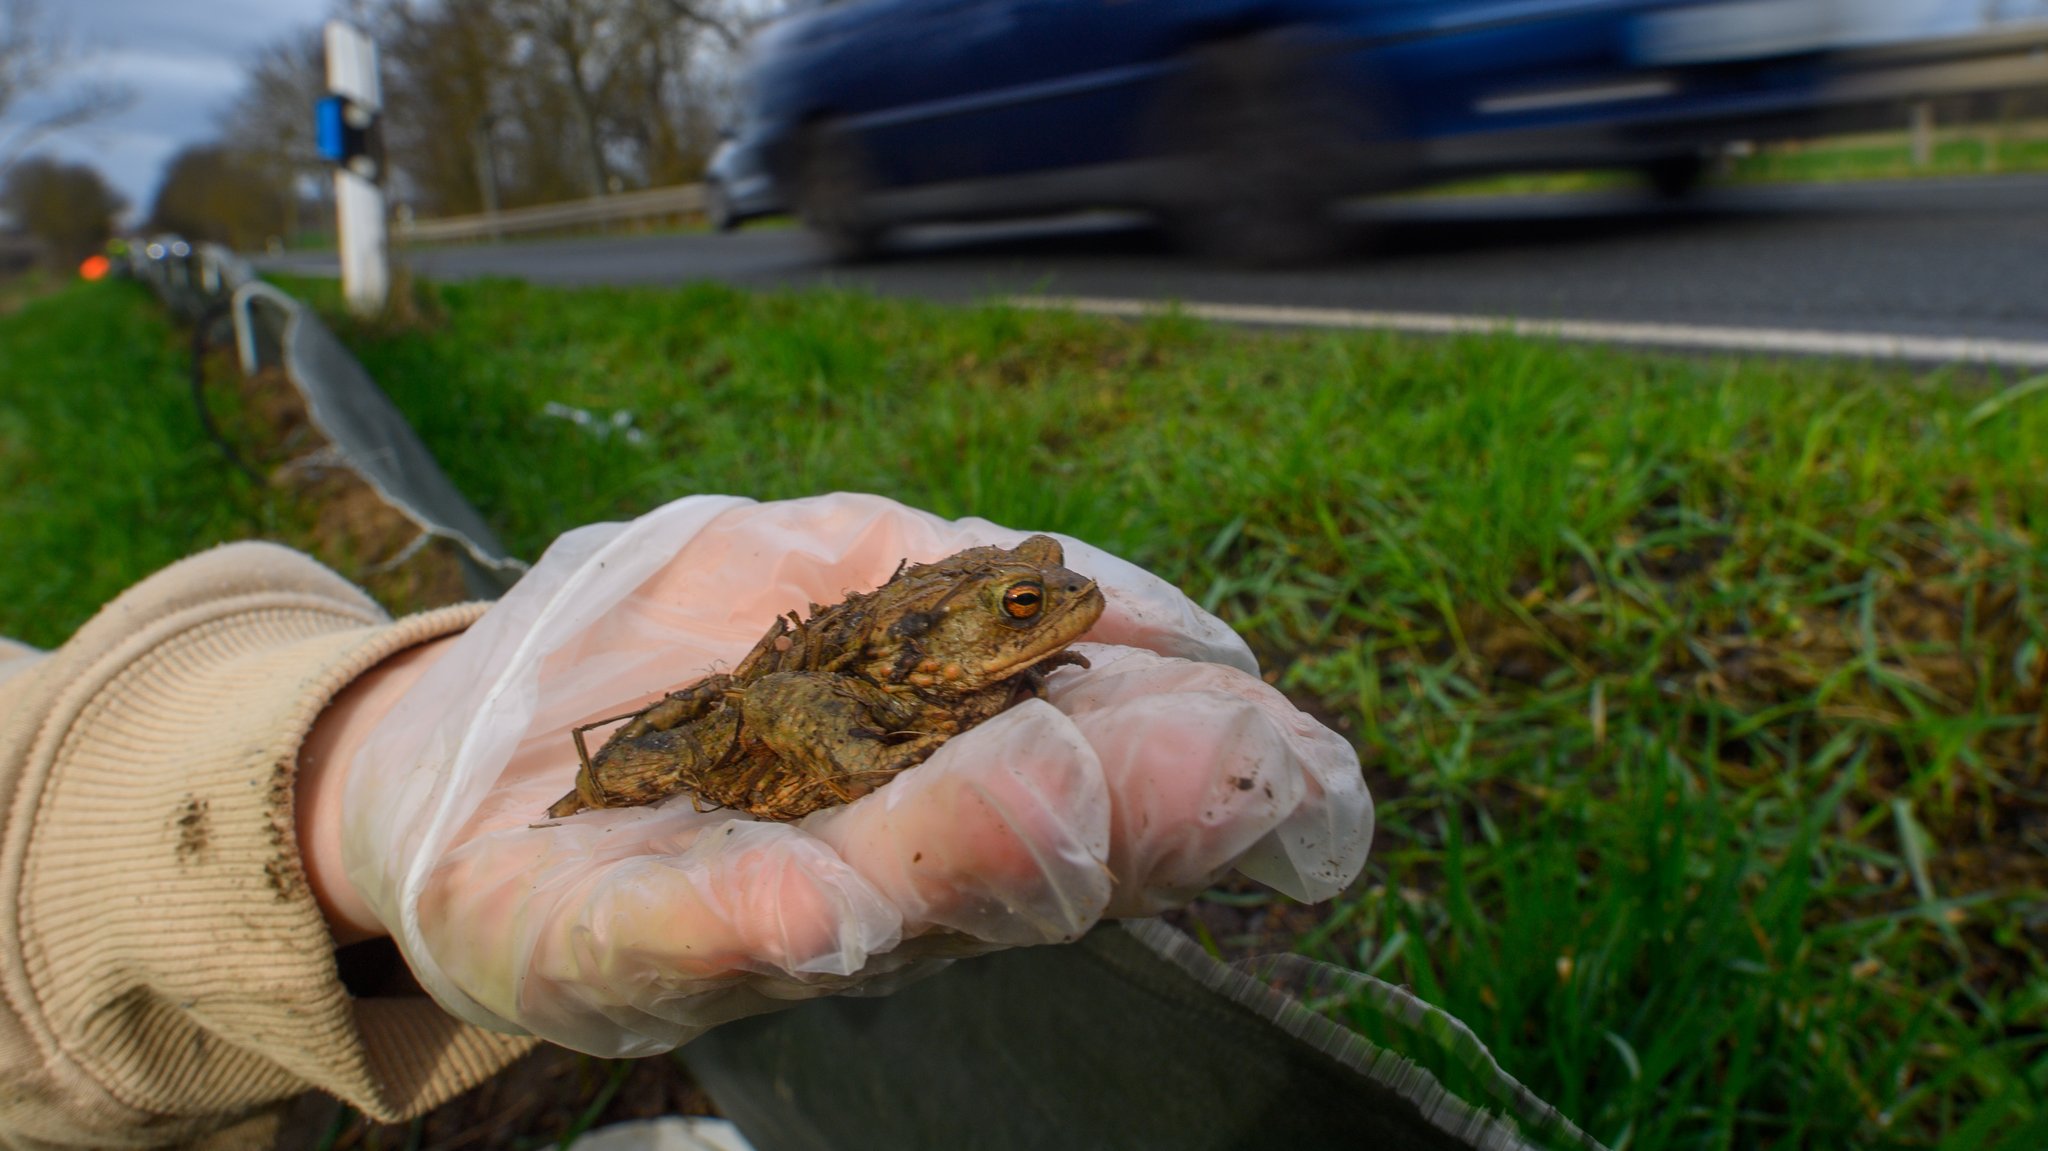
<point>627,931</point>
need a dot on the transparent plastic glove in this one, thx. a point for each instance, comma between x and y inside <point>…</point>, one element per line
<point>627,931</point>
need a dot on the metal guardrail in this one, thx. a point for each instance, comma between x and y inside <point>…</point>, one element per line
<point>2005,60</point>
<point>683,199</point>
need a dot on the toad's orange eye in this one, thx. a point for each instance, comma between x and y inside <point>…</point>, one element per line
<point>1023,600</point>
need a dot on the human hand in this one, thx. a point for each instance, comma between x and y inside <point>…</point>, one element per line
<point>1132,787</point>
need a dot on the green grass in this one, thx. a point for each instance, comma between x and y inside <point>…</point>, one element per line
<point>1963,152</point>
<point>1702,698</point>
<point>1974,150</point>
<point>105,473</point>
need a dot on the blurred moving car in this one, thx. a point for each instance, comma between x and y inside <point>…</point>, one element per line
<point>737,187</point>
<point>1243,122</point>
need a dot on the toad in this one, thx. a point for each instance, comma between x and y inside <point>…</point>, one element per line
<point>826,709</point>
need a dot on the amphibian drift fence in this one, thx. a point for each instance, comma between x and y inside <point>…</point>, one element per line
<point>207,285</point>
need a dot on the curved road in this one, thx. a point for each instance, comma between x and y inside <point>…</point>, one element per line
<point>1936,258</point>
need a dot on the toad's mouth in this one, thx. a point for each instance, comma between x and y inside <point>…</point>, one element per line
<point>1062,626</point>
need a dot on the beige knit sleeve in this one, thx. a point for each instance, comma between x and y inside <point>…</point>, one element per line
<point>167,974</point>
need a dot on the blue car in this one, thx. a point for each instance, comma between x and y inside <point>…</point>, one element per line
<point>1245,122</point>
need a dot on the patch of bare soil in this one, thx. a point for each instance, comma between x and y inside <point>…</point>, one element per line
<point>342,520</point>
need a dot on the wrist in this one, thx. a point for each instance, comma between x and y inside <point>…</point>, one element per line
<point>324,760</point>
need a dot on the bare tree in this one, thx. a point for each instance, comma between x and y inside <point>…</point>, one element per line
<point>500,103</point>
<point>211,193</point>
<point>32,59</point>
<point>270,122</point>
<point>730,28</point>
<point>448,83</point>
<point>662,116</point>
<point>584,41</point>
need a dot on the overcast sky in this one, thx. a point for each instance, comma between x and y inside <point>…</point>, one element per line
<point>184,60</point>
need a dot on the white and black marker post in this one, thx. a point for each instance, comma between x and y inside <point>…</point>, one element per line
<point>349,136</point>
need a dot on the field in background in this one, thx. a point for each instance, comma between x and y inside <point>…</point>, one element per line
<point>1702,699</point>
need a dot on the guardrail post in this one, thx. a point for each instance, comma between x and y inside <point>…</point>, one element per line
<point>1923,133</point>
<point>358,185</point>
<point>487,174</point>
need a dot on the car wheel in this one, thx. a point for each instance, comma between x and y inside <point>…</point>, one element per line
<point>1677,176</point>
<point>718,207</point>
<point>1261,154</point>
<point>832,190</point>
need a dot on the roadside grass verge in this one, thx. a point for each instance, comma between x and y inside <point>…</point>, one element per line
<point>1958,151</point>
<point>105,475</point>
<point>1964,150</point>
<point>17,290</point>
<point>1702,698</point>
<point>107,472</point>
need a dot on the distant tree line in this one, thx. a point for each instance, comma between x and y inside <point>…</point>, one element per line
<point>488,104</point>
<point>68,208</point>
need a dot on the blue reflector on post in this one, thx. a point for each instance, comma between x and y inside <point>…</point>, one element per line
<point>330,130</point>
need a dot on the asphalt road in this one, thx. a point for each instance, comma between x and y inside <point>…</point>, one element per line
<point>1947,258</point>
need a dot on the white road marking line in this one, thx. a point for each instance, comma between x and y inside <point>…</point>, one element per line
<point>1794,341</point>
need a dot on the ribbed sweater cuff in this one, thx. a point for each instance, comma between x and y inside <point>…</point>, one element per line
<point>171,954</point>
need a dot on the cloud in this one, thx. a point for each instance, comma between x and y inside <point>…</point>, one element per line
<point>184,62</point>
